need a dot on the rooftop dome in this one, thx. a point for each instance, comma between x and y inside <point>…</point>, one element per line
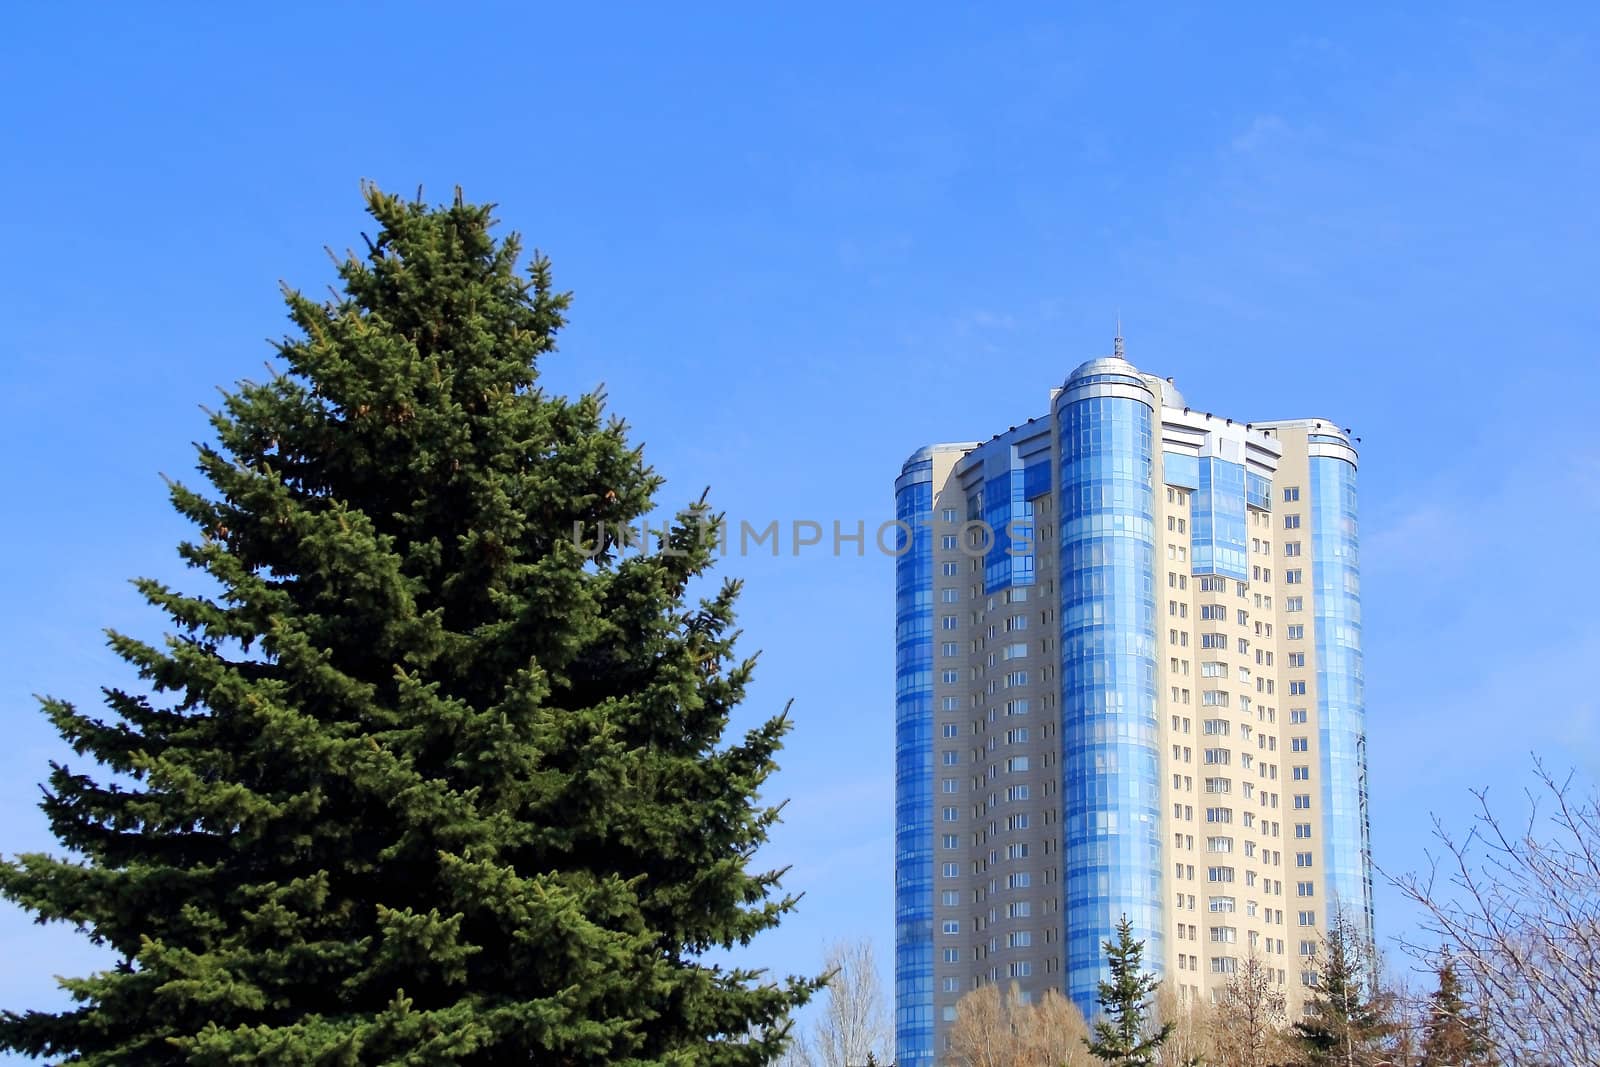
<point>1105,365</point>
<point>1168,392</point>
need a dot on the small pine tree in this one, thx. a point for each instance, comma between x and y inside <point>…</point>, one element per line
<point>425,780</point>
<point>1122,1035</point>
<point>1453,1033</point>
<point>1344,1021</point>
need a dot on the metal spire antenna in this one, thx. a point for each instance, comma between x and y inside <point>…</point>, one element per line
<point>1116,343</point>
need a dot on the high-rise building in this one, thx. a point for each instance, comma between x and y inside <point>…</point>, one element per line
<point>1128,683</point>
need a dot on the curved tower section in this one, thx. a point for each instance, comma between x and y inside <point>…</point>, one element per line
<point>1110,748</point>
<point>913,757</point>
<point>1341,703</point>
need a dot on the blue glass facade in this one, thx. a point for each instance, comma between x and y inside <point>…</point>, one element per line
<point>1007,511</point>
<point>1218,517</point>
<point>1258,491</point>
<point>1110,782</point>
<point>1341,706</point>
<point>1181,470</point>
<point>1036,479</point>
<point>913,778</point>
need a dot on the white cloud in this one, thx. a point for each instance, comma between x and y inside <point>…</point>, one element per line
<point>992,320</point>
<point>1262,129</point>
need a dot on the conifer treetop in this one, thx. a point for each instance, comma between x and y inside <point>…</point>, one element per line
<point>423,779</point>
<point>1122,1035</point>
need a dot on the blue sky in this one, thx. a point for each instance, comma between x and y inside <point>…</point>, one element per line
<point>802,245</point>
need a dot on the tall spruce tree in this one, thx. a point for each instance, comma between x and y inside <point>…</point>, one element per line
<point>1453,1033</point>
<point>1344,1021</point>
<point>1123,1036</point>
<point>423,780</point>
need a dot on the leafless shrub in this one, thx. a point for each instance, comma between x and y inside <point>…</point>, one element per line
<point>1247,1020</point>
<point>995,1030</point>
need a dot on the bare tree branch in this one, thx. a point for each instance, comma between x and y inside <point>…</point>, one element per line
<point>1248,1018</point>
<point>1517,904</point>
<point>855,1017</point>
